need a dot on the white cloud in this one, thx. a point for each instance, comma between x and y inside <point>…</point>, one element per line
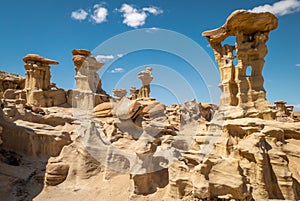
<point>117,70</point>
<point>279,8</point>
<point>297,106</point>
<point>298,65</point>
<point>79,14</point>
<point>152,29</point>
<point>99,15</point>
<point>134,17</point>
<point>104,58</point>
<point>120,55</point>
<point>153,10</point>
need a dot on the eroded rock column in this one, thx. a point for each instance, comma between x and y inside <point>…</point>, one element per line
<point>146,78</point>
<point>88,91</point>
<point>37,84</point>
<point>241,64</point>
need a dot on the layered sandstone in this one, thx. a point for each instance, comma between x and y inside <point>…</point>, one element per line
<point>39,90</point>
<point>88,91</point>
<point>243,149</point>
<point>246,91</point>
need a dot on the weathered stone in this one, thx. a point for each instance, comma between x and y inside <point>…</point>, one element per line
<point>146,77</point>
<point>240,89</point>
<point>119,93</point>
<point>40,92</point>
<point>133,93</point>
<point>126,108</point>
<point>56,173</point>
<point>88,84</point>
<point>11,81</point>
<point>104,109</point>
<point>34,58</point>
<point>81,52</point>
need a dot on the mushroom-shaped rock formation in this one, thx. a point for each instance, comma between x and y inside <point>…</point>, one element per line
<point>242,20</point>
<point>37,83</point>
<point>146,78</point>
<point>38,58</point>
<point>88,91</point>
<point>241,64</point>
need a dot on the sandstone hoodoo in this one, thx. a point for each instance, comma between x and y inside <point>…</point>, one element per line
<point>246,91</point>
<point>146,78</point>
<point>88,91</point>
<point>83,144</point>
<point>39,90</point>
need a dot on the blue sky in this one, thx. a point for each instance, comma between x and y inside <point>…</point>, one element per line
<point>53,28</point>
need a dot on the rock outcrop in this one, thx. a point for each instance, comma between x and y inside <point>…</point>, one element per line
<point>243,149</point>
<point>39,90</point>
<point>246,91</point>
<point>10,81</point>
<point>119,93</point>
<point>146,78</point>
<point>88,91</point>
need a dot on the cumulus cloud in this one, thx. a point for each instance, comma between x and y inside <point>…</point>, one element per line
<point>279,8</point>
<point>99,15</point>
<point>104,58</point>
<point>134,17</point>
<point>117,70</point>
<point>153,10</point>
<point>79,14</point>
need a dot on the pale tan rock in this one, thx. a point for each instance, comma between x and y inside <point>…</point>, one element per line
<point>284,112</point>
<point>296,116</point>
<point>104,109</point>
<point>153,109</point>
<point>219,177</point>
<point>40,91</point>
<point>239,89</point>
<point>11,81</point>
<point>133,93</point>
<point>148,151</point>
<point>38,58</point>
<point>86,68</point>
<point>119,93</point>
<point>56,173</point>
<point>146,78</point>
<point>126,108</point>
<point>88,91</point>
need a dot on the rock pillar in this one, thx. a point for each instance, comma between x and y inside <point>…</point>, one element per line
<point>146,78</point>
<point>241,64</point>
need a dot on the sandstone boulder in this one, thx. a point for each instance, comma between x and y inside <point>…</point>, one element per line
<point>104,109</point>
<point>56,173</point>
<point>126,108</point>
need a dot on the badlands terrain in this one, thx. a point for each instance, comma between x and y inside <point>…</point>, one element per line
<point>85,144</point>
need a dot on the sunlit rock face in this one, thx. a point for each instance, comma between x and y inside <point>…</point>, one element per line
<point>39,90</point>
<point>88,91</point>
<point>146,78</point>
<point>241,64</point>
<point>137,148</point>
